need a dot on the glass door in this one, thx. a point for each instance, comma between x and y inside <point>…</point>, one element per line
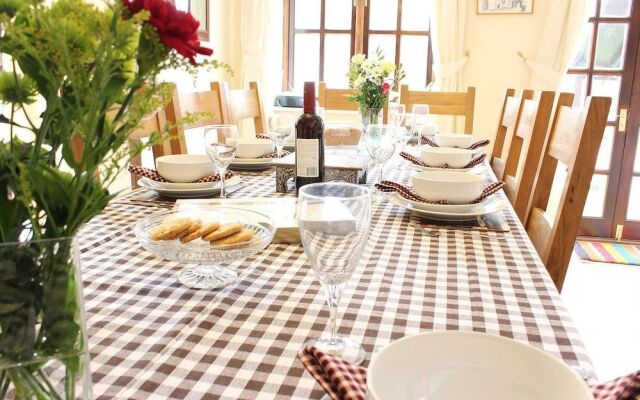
<point>605,66</point>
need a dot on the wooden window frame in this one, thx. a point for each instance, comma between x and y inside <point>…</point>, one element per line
<point>203,34</point>
<point>359,37</point>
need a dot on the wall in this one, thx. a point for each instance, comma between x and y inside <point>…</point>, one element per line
<point>493,66</point>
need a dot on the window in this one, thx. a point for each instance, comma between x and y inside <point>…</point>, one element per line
<point>323,35</point>
<point>200,11</point>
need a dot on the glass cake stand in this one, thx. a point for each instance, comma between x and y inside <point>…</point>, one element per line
<point>207,270</point>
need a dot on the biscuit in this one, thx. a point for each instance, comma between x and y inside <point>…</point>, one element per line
<point>204,230</point>
<point>243,236</point>
<point>194,226</point>
<point>170,229</point>
<point>224,231</point>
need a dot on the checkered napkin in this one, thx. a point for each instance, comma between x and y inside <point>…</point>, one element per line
<point>340,379</point>
<point>155,176</point>
<point>408,193</point>
<point>415,160</point>
<point>262,136</point>
<point>274,154</point>
<point>476,145</point>
<point>343,380</point>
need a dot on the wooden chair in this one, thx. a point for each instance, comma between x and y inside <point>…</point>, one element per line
<point>442,103</point>
<point>241,104</point>
<point>182,104</point>
<point>153,123</point>
<point>335,99</point>
<point>506,126</point>
<point>574,140</point>
<point>526,145</point>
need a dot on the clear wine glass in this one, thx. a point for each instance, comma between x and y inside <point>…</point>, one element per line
<point>421,109</point>
<point>394,110</point>
<point>334,220</point>
<point>221,144</point>
<point>381,142</point>
<point>405,122</point>
<point>280,129</point>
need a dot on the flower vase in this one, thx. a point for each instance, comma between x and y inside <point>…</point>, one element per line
<point>368,116</point>
<point>43,340</point>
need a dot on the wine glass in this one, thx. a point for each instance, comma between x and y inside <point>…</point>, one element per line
<point>280,129</point>
<point>381,142</point>
<point>221,144</point>
<point>421,109</point>
<point>394,110</point>
<point>334,220</point>
<point>405,122</point>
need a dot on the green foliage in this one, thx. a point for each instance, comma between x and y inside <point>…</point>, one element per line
<point>16,89</point>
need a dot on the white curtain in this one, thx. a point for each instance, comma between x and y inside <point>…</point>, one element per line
<point>448,31</point>
<point>565,21</point>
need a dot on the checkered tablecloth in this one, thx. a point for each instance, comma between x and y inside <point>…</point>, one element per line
<point>152,338</point>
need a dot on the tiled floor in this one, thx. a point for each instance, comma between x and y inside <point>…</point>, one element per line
<point>604,300</point>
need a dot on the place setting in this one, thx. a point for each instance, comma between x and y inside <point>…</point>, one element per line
<point>258,153</point>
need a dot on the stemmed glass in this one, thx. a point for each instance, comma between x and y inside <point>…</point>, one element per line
<point>334,220</point>
<point>424,124</point>
<point>280,129</point>
<point>394,110</point>
<point>221,144</point>
<point>381,142</point>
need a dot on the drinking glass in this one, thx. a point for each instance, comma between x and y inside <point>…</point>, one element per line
<point>421,109</point>
<point>221,144</point>
<point>381,142</point>
<point>394,110</point>
<point>280,129</point>
<point>405,122</point>
<point>334,220</point>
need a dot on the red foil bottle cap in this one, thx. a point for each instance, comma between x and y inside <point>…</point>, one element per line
<point>309,97</point>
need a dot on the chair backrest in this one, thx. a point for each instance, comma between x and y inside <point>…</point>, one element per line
<point>506,126</point>
<point>153,123</point>
<point>442,103</point>
<point>335,99</point>
<point>183,104</point>
<point>526,146</point>
<point>574,140</point>
<point>242,104</point>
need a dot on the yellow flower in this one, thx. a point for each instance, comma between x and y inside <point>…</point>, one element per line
<point>358,59</point>
<point>388,66</point>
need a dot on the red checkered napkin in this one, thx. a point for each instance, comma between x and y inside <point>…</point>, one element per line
<point>340,379</point>
<point>408,193</point>
<point>476,145</point>
<point>274,154</point>
<point>415,160</point>
<point>343,380</point>
<point>623,388</point>
<point>262,136</point>
<point>155,176</point>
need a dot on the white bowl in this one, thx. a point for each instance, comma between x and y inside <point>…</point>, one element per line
<point>454,187</point>
<point>438,156</point>
<point>460,140</point>
<point>470,365</point>
<point>184,168</point>
<point>254,147</point>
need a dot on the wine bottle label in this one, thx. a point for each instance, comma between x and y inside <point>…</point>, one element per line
<point>307,158</point>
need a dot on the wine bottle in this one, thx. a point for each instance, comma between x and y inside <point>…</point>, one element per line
<point>309,141</point>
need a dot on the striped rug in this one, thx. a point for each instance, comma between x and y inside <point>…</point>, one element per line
<point>617,253</point>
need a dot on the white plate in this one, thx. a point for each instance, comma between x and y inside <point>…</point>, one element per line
<point>450,212</point>
<point>250,163</point>
<point>187,189</point>
<point>421,168</point>
<point>470,365</point>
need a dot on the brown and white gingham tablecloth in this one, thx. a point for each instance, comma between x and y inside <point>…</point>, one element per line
<point>152,338</point>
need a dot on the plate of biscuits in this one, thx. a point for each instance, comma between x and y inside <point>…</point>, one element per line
<point>208,237</point>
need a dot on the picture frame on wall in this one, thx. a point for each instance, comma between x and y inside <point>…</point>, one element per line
<point>200,11</point>
<point>505,6</point>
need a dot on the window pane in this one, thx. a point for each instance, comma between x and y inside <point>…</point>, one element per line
<point>604,85</point>
<point>383,14</point>
<point>386,43</point>
<point>307,14</point>
<point>413,57</point>
<point>581,59</point>
<point>604,155</point>
<point>415,15</point>
<point>595,199</point>
<point>615,8</point>
<point>338,14</point>
<point>306,59</point>
<point>633,211</point>
<point>591,8</point>
<point>182,5</point>
<point>337,51</point>
<point>576,84</point>
<point>610,46</point>
<point>636,164</point>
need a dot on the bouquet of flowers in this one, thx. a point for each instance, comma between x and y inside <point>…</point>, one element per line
<point>94,72</point>
<point>372,80</point>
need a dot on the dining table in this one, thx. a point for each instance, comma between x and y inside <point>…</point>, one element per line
<point>152,338</point>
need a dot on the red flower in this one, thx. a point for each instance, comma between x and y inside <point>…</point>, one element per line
<point>177,29</point>
<point>385,87</point>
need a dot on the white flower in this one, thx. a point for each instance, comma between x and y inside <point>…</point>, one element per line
<point>358,59</point>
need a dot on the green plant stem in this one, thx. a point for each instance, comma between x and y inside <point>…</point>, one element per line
<point>47,382</point>
<point>70,384</point>
<point>4,384</point>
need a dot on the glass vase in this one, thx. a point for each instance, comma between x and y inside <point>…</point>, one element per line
<point>368,116</point>
<point>43,340</point>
